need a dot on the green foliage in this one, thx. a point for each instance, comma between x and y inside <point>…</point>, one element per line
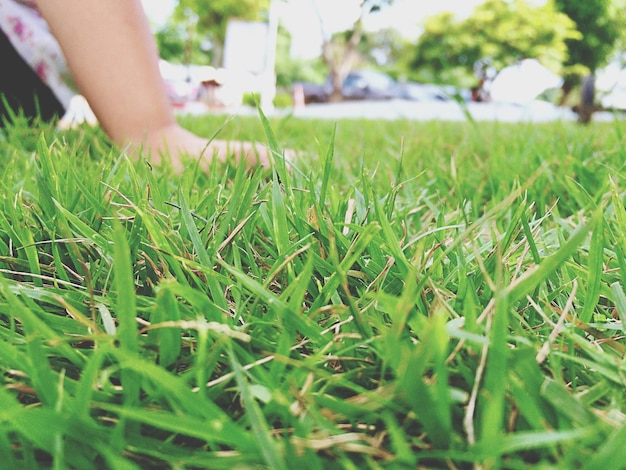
<point>601,24</point>
<point>251,99</point>
<point>283,100</point>
<point>209,19</point>
<point>212,17</point>
<point>502,31</point>
<point>178,45</point>
<point>384,47</point>
<point>447,51</point>
<point>171,43</point>
<point>300,70</point>
<point>409,295</point>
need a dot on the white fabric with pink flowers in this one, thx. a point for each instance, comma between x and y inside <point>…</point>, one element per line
<point>28,32</point>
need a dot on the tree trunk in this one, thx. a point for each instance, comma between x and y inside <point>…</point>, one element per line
<point>587,105</point>
<point>340,57</point>
<point>336,95</point>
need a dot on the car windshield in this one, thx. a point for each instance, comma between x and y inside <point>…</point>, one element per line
<point>372,79</point>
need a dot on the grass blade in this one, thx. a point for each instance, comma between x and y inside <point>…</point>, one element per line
<point>259,426</point>
<point>531,279</point>
<point>596,268</point>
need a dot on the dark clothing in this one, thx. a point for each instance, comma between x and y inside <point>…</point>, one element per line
<point>22,88</point>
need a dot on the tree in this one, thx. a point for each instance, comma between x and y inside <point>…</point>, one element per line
<point>383,47</point>
<point>210,19</point>
<point>446,51</point>
<point>340,50</point>
<point>500,31</point>
<point>600,23</point>
<point>178,44</point>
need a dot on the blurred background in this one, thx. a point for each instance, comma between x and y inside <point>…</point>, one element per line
<point>293,53</point>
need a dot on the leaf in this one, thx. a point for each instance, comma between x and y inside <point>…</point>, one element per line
<point>192,230</point>
<point>280,167</point>
<point>126,312</point>
<point>595,267</point>
<point>521,441</point>
<point>279,219</point>
<point>566,404</point>
<point>620,302</point>
<point>532,278</point>
<point>259,425</point>
<point>209,430</point>
<point>126,302</point>
<point>328,164</point>
<point>611,454</point>
<point>168,339</point>
<point>290,317</point>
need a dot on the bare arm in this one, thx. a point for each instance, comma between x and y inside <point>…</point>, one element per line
<point>113,59</point>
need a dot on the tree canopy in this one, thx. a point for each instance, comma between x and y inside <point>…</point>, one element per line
<point>600,23</point>
<point>499,31</point>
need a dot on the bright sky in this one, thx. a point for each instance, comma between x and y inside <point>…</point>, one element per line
<point>300,17</point>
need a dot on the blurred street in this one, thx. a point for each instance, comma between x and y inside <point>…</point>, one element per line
<point>534,111</point>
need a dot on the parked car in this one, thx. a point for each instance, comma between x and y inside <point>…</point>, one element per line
<point>358,85</point>
<point>312,92</point>
<point>369,85</point>
<point>425,92</point>
<point>374,85</point>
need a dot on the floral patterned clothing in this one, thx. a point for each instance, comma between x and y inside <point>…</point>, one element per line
<point>29,35</point>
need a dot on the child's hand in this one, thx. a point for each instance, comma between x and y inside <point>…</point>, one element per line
<point>175,143</point>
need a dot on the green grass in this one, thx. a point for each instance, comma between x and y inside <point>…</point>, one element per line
<point>435,295</point>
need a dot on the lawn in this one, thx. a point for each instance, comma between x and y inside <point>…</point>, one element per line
<point>405,295</point>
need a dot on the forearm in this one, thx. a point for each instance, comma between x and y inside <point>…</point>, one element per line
<point>113,59</point>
